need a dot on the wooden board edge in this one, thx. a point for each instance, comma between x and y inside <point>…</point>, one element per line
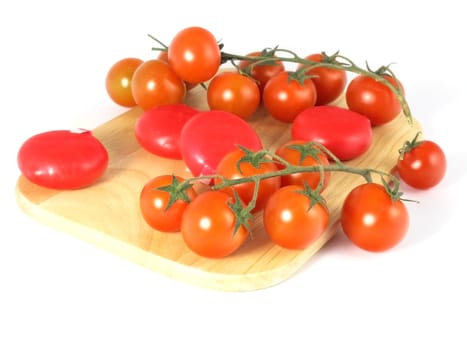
<point>156,263</point>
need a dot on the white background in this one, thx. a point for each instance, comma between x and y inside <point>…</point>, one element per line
<point>57,292</point>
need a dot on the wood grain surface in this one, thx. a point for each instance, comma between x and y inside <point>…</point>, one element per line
<point>107,213</point>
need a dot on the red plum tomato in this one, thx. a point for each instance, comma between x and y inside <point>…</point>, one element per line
<point>153,203</point>
<point>299,152</point>
<point>373,99</point>
<point>422,165</point>
<point>208,136</point>
<point>372,220</point>
<point>329,82</point>
<point>284,98</point>
<point>208,226</point>
<point>154,84</point>
<point>289,220</point>
<point>194,54</point>
<point>63,159</point>
<point>235,93</point>
<point>158,129</point>
<point>228,168</point>
<point>345,133</point>
<point>118,81</point>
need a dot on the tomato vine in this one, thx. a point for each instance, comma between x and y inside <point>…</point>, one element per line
<point>333,61</point>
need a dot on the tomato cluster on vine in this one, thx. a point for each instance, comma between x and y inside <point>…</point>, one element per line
<point>244,180</point>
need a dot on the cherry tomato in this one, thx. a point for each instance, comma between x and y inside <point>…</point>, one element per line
<point>311,156</point>
<point>208,136</point>
<point>372,220</point>
<point>234,92</point>
<point>154,202</point>
<point>345,133</point>
<point>154,84</point>
<point>284,98</point>
<point>228,168</point>
<point>329,82</point>
<point>373,99</point>
<point>208,226</point>
<point>290,221</point>
<point>63,159</point>
<point>164,56</point>
<point>158,129</point>
<point>118,81</point>
<point>262,72</point>
<point>194,54</point>
<point>422,164</point>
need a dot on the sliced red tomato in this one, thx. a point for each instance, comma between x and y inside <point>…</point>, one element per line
<point>208,136</point>
<point>158,129</point>
<point>347,134</point>
<point>63,159</point>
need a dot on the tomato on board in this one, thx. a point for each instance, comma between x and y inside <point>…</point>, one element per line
<point>234,92</point>
<point>373,99</point>
<point>329,82</point>
<point>372,220</point>
<point>291,221</point>
<point>262,72</point>
<point>194,54</point>
<point>164,56</point>
<point>118,81</point>
<point>345,133</point>
<point>154,83</point>
<point>208,226</point>
<point>208,136</point>
<point>299,152</point>
<point>158,129</point>
<point>153,203</point>
<point>228,168</point>
<point>422,164</point>
<point>63,159</point>
<point>284,98</point>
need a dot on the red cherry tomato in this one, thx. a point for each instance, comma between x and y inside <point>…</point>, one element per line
<point>262,72</point>
<point>63,159</point>
<point>345,133</point>
<point>164,56</point>
<point>228,168</point>
<point>208,226</point>
<point>208,136</point>
<point>285,98</point>
<point>194,54</point>
<point>312,156</point>
<point>422,164</point>
<point>235,93</point>
<point>158,129</point>
<point>154,84</point>
<point>329,82</point>
<point>153,204</point>
<point>118,81</point>
<point>289,220</point>
<point>372,220</point>
<point>373,99</point>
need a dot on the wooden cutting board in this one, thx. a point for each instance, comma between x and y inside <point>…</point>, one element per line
<point>107,213</point>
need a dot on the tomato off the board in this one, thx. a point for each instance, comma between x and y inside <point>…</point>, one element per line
<point>107,213</point>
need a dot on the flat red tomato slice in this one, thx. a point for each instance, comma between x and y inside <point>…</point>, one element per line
<point>158,129</point>
<point>345,133</point>
<point>208,136</point>
<point>63,159</point>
